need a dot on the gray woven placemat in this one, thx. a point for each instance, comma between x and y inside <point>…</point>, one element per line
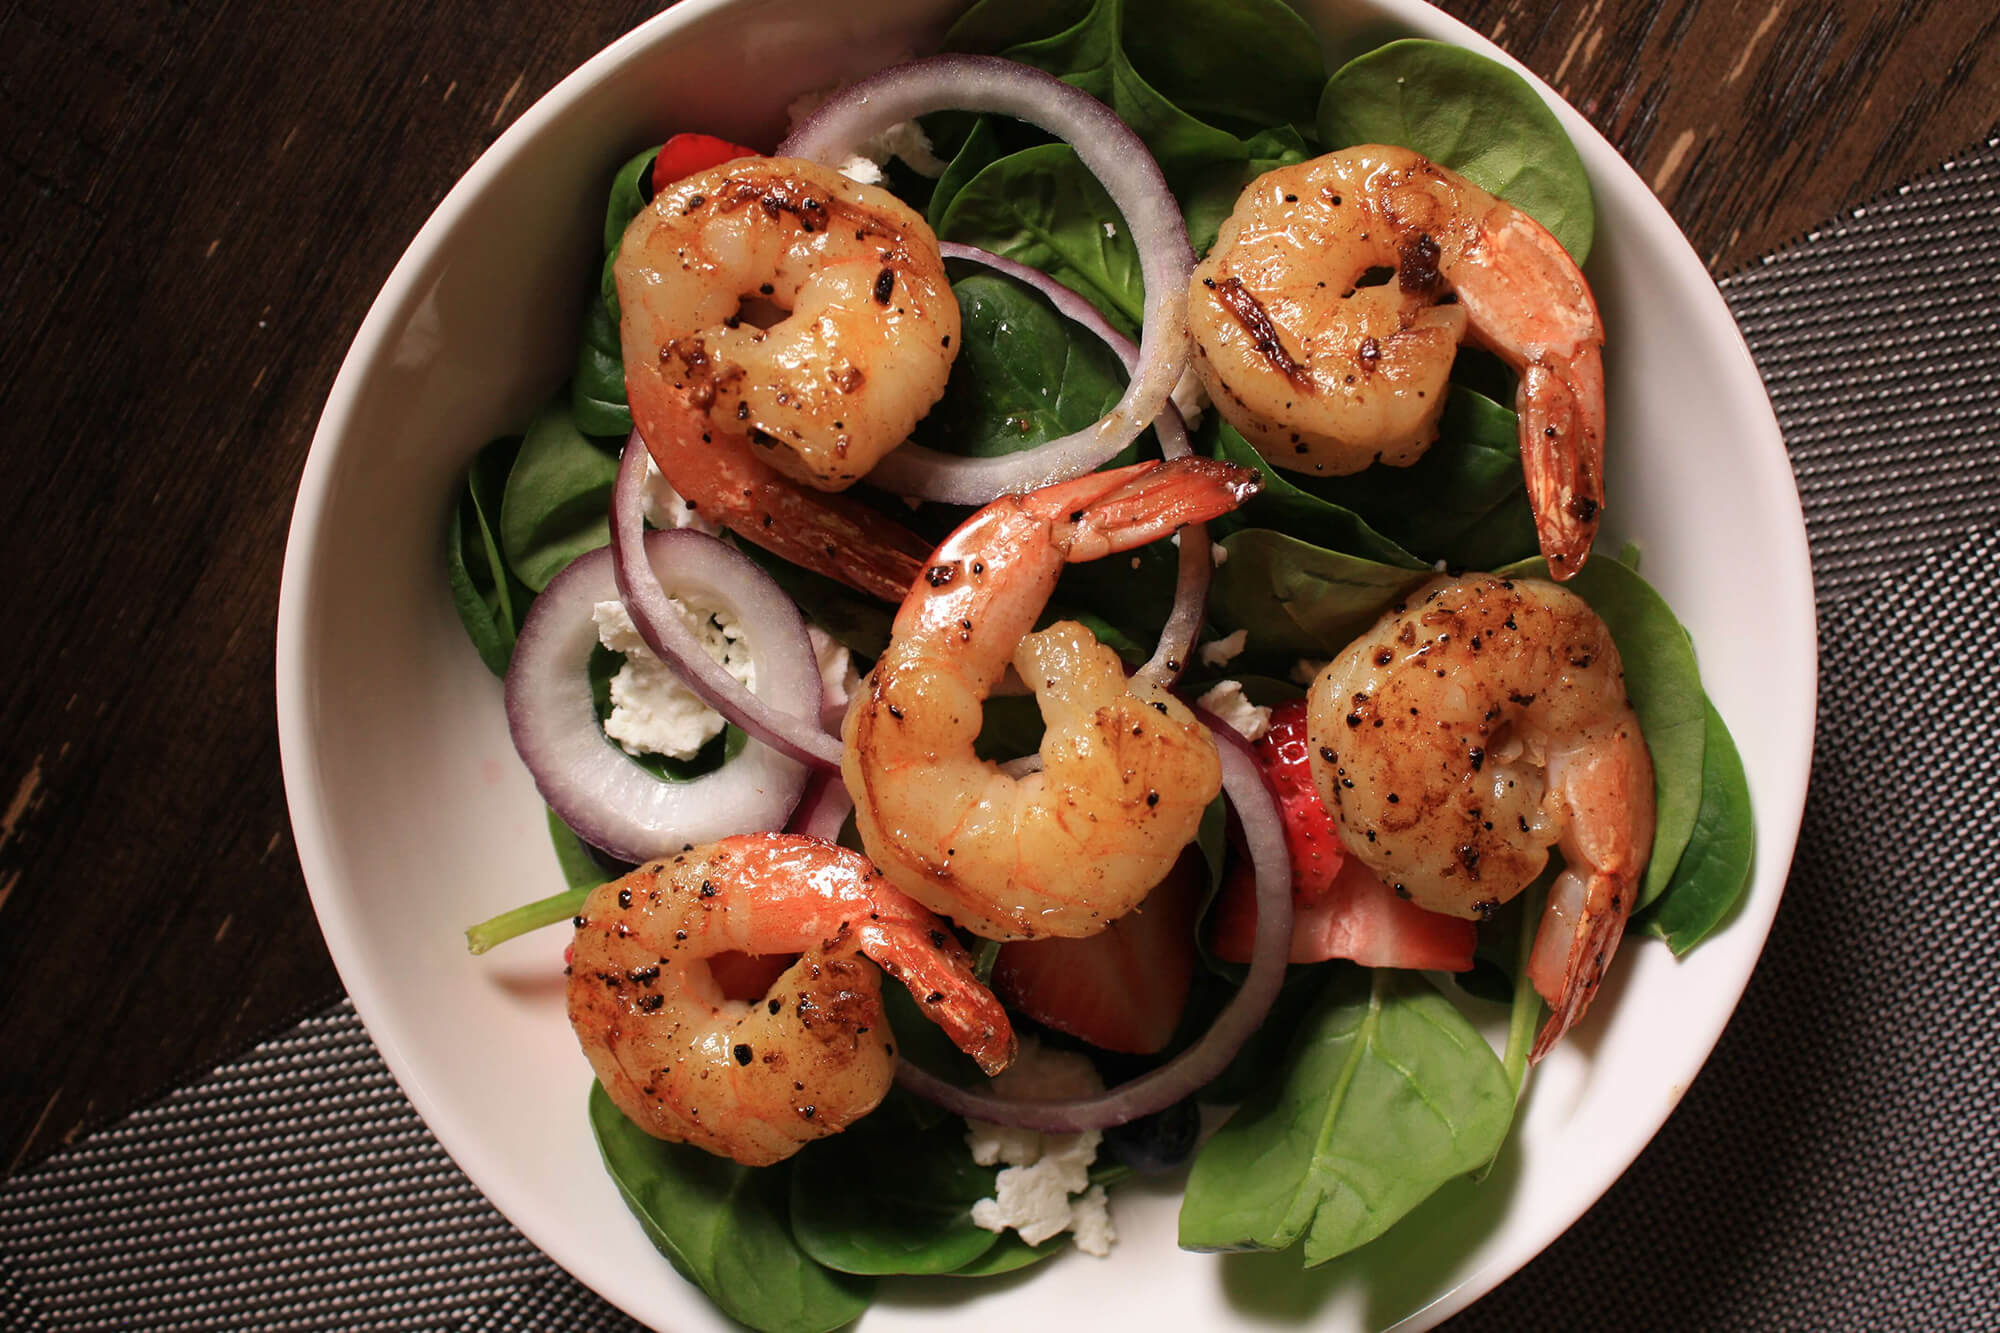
<point>1834,1167</point>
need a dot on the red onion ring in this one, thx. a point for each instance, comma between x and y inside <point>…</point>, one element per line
<point>586,779</point>
<point>823,810</point>
<point>752,596</point>
<point>1183,627</point>
<point>1264,835</point>
<point>1119,159</point>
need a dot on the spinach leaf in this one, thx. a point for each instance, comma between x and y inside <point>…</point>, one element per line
<point>980,150</point>
<point>991,26</point>
<point>1211,194</point>
<point>1285,506</point>
<point>853,1211</point>
<point>597,390</point>
<point>1091,55</point>
<point>1042,206</point>
<point>1297,599</point>
<point>1390,1093</point>
<point>1471,114</point>
<point>1464,502</point>
<point>1024,374</point>
<point>723,1226</point>
<point>629,191</point>
<point>1715,869</point>
<point>1009,1253</point>
<point>1665,690</point>
<point>557,499</point>
<point>1232,63</point>
<point>491,602</point>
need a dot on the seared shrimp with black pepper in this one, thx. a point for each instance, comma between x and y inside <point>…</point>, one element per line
<point>1475,726</point>
<point>758,1081</point>
<point>1326,371</point>
<point>784,327</point>
<point>1126,768</point>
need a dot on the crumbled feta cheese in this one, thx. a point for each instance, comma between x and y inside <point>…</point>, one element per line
<point>666,509</point>
<point>1219,652</point>
<point>838,680</point>
<point>1227,701</point>
<point>1305,671</point>
<point>904,139</point>
<point>651,711</point>
<point>1218,554</point>
<point>1110,232</point>
<point>1191,397</point>
<point>1044,1186</point>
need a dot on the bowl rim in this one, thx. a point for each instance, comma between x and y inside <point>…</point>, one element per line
<point>1777,828</point>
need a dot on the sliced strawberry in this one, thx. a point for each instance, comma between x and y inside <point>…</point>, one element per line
<point>747,976</point>
<point>685,154</point>
<point>1123,988</point>
<point>1359,918</point>
<point>1310,834</point>
<point>1340,908</point>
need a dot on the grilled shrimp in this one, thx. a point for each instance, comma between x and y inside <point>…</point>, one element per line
<point>1325,375</point>
<point>754,424</point>
<point>1476,725</point>
<point>1126,768</point>
<point>757,1082</point>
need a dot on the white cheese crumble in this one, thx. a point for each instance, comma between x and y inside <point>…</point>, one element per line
<point>838,680</point>
<point>1044,1187</point>
<point>1110,232</point>
<point>665,508</point>
<point>904,139</point>
<point>1305,671</point>
<point>1191,397</point>
<point>1218,554</point>
<point>651,711</point>
<point>1220,652</point>
<point>1227,701</point>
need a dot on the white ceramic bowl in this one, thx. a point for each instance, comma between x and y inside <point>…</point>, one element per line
<point>413,817</point>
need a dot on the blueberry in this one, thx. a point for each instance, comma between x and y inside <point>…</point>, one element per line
<point>1157,1142</point>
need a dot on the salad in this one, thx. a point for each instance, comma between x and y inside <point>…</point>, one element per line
<point>1259,960</point>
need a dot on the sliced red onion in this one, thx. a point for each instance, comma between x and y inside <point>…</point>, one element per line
<point>1183,627</point>
<point>1119,159</point>
<point>1264,835</point>
<point>592,784</point>
<point>785,713</point>
<point>823,811</point>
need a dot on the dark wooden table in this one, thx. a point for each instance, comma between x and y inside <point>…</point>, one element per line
<point>200,202</point>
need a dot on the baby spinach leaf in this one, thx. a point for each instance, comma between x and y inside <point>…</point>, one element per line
<point>1091,55</point>
<point>1211,194</point>
<point>582,865</point>
<point>558,495</point>
<point>630,192</point>
<point>1390,1093</point>
<point>1284,506</point>
<point>1042,206</point>
<point>1471,114</point>
<point>855,1212</point>
<point>980,150</point>
<point>491,602</point>
<point>723,1227</point>
<point>1024,374</point>
<point>1232,63</point>
<point>991,26</point>
<point>1715,869</point>
<point>597,391</point>
<point>1464,501</point>
<point>1297,599</point>
<point>1009,1253</point>
<point>1665,690</point>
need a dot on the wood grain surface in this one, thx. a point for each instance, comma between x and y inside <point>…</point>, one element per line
<point>199,202</point>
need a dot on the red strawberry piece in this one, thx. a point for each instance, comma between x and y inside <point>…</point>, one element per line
<point>685,154</point>
<point>1123,988</point>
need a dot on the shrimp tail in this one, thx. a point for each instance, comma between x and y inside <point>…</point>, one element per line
<point>1573,948</point>
<point>721,474</point>
<point>1562,455</point>
<point>940,979</point>
<point>1131,506</point>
